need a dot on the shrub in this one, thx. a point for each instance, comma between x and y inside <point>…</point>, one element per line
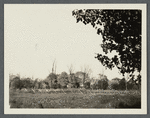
<point>55,86</point>
<point>115,86</point>
<point>42,85</point>
<point>27,83</point>
<point>103,84</point>
<point>100,84</point>
<point>87,85</point>
<point>73,80</point>
<point>114,83</point>
<point>122,84</point>
<point>70,85</point>
<point>16,83</point>
<point>36,84</point>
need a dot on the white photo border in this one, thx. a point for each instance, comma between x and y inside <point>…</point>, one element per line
<point>143,109</point>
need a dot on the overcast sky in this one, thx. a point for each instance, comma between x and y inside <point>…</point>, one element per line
<point>36,35</point>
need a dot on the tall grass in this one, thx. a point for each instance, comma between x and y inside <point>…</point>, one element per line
<point>20,99</point>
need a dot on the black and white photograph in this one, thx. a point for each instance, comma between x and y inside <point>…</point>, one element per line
<point>75,59</point>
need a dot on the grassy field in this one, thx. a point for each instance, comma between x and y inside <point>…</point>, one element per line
<point>74,98</point>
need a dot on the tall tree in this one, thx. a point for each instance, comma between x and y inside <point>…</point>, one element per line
<point>52,80</point>
<point>36,84</point>
<point>86,72</point>
<point>54,66</point>
<point>71,69</point>
<point>63,80</point>
<point>122,84</point>
<point>121,32</point>
<point>102,84</point>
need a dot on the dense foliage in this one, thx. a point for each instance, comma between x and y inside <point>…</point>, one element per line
<point>52,80</point>
<point>100,84</point>
<point>121,32</point>
<point>15,83</point>
<point>74,81</point>
<point>63,80</point>
<point>121,84</point>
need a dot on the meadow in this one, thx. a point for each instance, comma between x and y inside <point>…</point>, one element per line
<point>74,98</point>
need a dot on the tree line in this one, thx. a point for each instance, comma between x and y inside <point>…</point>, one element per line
<point>52,81</point>
<point>73,80</point>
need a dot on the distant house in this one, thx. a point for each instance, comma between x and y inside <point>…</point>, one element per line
<point>80,74</point>
<point>83,77</point>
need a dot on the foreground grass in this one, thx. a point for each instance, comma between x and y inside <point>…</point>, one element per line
<point>19,99</point>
